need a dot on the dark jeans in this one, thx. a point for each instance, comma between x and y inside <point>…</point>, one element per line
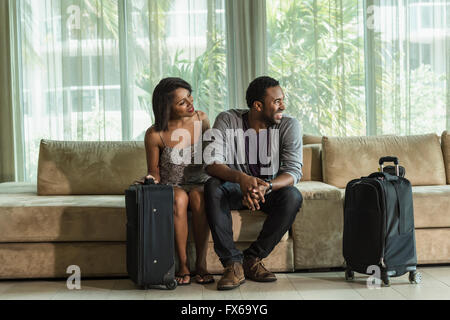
<point>221,197</point>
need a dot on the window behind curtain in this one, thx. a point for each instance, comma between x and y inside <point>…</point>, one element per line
<point>69,75</point>
<point>80,58</point>
<point>411,49</point>
<point>93,79</point>
<point>335,87</point>
<point>316,50</point>
<point>176,38</point>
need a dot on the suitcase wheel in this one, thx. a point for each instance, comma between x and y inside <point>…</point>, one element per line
<point>172,284</point>
<point>415,277</point>
<point>349,275</point>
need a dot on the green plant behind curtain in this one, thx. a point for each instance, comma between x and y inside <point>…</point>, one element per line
<point>409,65</point>
<point>316,50</point>
<point>191,46</point>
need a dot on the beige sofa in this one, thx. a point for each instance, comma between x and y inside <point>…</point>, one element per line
<point>317,231</point>
<point>75,215</point>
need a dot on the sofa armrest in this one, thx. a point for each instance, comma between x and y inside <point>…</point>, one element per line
<point>316,190</point>
<point>317,229</point>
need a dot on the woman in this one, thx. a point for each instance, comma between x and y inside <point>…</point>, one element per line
<point>173,109</point>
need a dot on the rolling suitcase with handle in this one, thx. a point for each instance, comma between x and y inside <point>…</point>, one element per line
<point>379,225</point>
<point>150,235</point>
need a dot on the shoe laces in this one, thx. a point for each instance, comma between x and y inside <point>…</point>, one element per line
<point>258,264</point>
<point>231,268</point>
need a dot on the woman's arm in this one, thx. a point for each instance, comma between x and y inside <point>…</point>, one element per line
<point>151,142</point>
<point>205,121</point>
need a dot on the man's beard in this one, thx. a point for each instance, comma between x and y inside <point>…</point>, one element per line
<point>269,121</point>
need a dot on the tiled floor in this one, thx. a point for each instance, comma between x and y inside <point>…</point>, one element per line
<point>290,286</point>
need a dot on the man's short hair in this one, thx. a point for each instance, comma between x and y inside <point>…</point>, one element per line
<point>257,89</point>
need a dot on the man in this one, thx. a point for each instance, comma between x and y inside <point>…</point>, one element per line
<point>256,184</point>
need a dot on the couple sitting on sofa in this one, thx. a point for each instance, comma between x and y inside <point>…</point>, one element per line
<point>214,187</point>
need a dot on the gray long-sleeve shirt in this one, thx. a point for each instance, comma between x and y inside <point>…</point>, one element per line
<point>228,145</point>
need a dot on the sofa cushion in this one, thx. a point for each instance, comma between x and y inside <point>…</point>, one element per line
<point>347,158</point>
<point>73,167</point>
<point>27,217</point>
<point>445,141</point>
<point>310,139</point>
<point>312,162</point>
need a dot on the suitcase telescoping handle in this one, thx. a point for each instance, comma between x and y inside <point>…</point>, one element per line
<point>389,159</point>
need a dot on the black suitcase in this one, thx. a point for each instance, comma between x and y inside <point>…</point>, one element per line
<point>379,225</point>
<point>150,235</point>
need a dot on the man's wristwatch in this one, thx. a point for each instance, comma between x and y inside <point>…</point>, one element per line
<point>269,190</point>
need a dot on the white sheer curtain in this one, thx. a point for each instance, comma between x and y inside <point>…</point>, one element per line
<point>316,49</point>
<point>176,38</point>
<point>409,66</point>
<point>87,68</point>
<point>363,67</point>
<point>67,59</point>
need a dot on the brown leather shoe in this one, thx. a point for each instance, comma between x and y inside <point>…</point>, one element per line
<point>233,276</point>
<point>255,270</point>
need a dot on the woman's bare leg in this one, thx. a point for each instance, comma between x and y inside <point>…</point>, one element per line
<point>181,201</point>
<point>200,229</point>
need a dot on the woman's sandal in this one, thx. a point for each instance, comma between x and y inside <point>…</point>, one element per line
<point>183,276</point>
<point>204,278</point>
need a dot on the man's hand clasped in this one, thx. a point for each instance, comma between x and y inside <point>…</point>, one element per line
<point>253,190</point>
